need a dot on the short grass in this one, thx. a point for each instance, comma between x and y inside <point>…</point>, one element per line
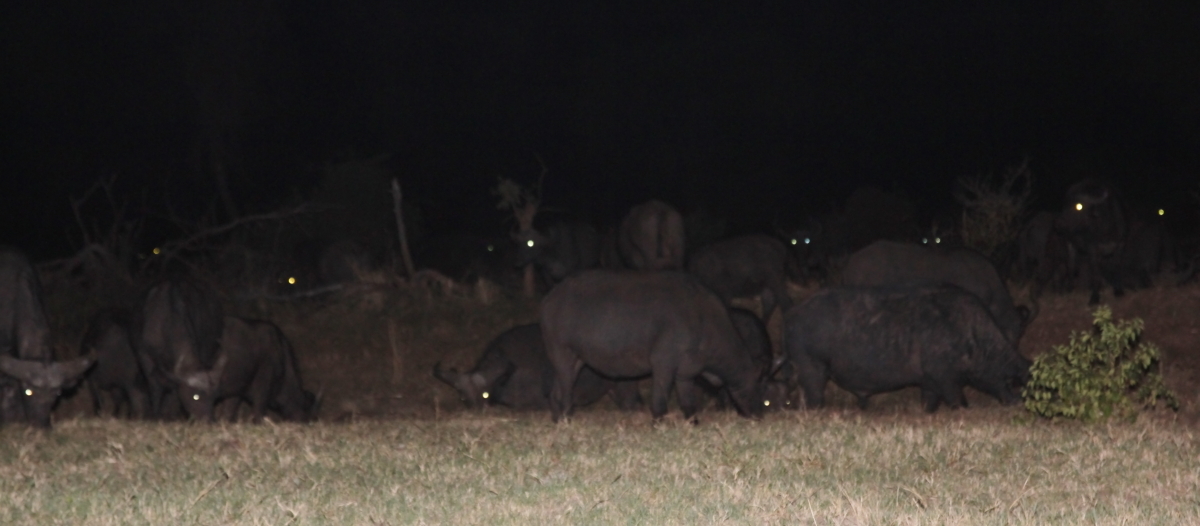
<point>980,466</point>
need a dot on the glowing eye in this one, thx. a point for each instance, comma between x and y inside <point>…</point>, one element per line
<point>1161,211</point>
<point>1079,206</point>
<point>529,243</point>
<point>925,240</point>
<point>806,240</point>
<point>937,240</point>
<point>196,397</point>
<point>29,392</point>
<point>485,394</point>
<point>291,281</point>
<point>766,402</point>
<point>491,248</point>
<point>156,251</point>
<point>795,242</point>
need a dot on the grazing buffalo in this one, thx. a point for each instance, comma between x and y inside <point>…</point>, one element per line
<point>756,341</point>
<point>744,266</point>
<point>176,332</point>
<point>894,263</point>
<point>559,249</point>
<point>1093,224</point>
<point>255,364</point>
<point>42,383</point>
<point>514,371</point>
<point>117,372</point>
<point>876,339</point>
<point>627,324</point>
<point>30,382</point>
<point>651,237</point>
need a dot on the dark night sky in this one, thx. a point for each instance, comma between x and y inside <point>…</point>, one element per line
<point>753,110</point>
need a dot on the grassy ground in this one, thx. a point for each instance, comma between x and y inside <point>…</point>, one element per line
<point>983,466</point>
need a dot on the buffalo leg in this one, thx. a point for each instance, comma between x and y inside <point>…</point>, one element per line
<point>685,389</point>
<point>952,393</point>
<point>930,399</point>
<point>120,398</point>
<point>565,373</point>
<point>659,392</point>
<point>92,390</point>
<point>138,404</point>
<point>862,400</point>
<point>769,301</point>
<point>812,378</point>
<point>627,395</point>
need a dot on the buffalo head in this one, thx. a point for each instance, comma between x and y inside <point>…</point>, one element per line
<point>476,389</point>
<point>39,384</point>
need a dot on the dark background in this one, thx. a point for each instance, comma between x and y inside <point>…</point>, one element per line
<point>758,112</point>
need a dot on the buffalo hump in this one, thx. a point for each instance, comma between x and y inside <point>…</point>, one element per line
<point>651,237</point>
<point>744,266</point>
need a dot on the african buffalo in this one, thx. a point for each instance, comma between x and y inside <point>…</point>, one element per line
<point>871,340</point>
<point>1044,256</point>
<point>176,332</point>
<point>514,371</point>
<point>1093,223</point>
<point>893,263</point>
<point>758,343</point>
<point>255,364</point>
<point>117,372</point>
<point>744,266</point>
<point>651,237</point>
<point>559,249</point>
<point>629,324</point>
<point>30,382</point>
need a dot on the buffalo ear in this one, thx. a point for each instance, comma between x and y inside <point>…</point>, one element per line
<point>24,370</point>
<point>496,378</point>
<point>776,365</point>
<point>712,379</point>
<point>218,369</point>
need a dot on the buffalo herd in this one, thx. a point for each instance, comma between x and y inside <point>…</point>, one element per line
<point>176,355</point>
<point>625,306</point>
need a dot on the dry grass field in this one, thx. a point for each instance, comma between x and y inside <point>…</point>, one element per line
<point>394,446</point>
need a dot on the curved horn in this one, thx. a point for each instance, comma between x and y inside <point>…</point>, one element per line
<point>75,368</point>
<point>24,370</point>
<point>448,376</point>
<point>776,365</point>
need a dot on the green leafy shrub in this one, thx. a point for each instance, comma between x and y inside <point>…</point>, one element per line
<point>1099,374</point>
